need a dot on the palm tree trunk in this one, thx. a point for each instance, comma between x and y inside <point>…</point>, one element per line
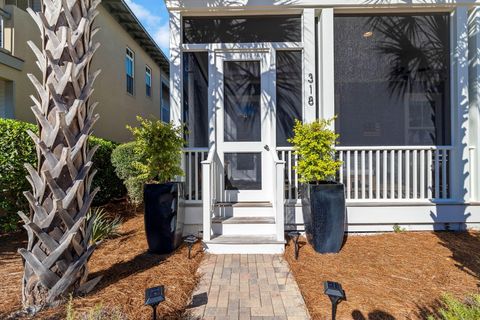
<point>55,260</point>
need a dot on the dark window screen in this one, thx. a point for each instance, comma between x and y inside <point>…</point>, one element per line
<point>165,112</point>
<point>242,89</point>
<point>242,29</point>
<point>289,94</point>
<point>392,79</point>
<point>195,97</point>
<point>243,171</point>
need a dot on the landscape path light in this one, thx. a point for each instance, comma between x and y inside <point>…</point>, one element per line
<point>153,297</point>
<point>336,294</point>
<point>295,236</point>
<point>190,240</point>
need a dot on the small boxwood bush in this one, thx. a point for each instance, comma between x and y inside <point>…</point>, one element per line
<point>17,148</point>
<point>124,158</point>
<point>111,187</point>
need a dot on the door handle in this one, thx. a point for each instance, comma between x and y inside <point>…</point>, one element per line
<point>266,147</point>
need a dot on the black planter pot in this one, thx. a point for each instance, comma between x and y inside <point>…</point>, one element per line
<point>323,207</point>
<point>164,216</point>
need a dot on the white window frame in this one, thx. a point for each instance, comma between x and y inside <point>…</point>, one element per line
<point>148,72</point>
<point>130,55</point>
<point>308,62</point>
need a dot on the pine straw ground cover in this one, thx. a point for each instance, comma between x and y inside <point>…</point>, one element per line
<point>390,276</point>
<point>127,271</point>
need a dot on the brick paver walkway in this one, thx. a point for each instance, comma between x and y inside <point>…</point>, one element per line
<point>247,287</point>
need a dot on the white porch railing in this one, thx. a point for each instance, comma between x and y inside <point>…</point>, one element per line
<point>384,173</point>
<point>193,158</point>
<point>368,173</point>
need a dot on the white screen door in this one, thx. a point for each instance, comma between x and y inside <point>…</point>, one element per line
<point>245,100</point>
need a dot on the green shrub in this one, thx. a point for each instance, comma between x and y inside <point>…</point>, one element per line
<point>314,145</point>
<point>454,309</point>
<point>123,159</point>
<point>162,145</point>
<point>154,156</point>
<point>104,227</point>
<point>111,187</point>
<point>17,148</point>
<point>9,223</point>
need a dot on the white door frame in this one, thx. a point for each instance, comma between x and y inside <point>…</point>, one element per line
<point>266,57</point>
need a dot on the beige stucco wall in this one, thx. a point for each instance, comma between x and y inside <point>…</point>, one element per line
<point>116,107</point>
<point>16,42</point>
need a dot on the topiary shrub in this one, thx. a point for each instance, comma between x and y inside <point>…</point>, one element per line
<point>123,159</point>
<point>17,148</point>
<point>314,144</point>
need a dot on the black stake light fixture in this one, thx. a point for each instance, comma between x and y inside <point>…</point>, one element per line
<point>190,240</point>
<point>295,235</point>
<point>153,297</point>
<point>336,294</point>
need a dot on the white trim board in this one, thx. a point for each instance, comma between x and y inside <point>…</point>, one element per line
<point>212,5</point>
<point>377,218</point>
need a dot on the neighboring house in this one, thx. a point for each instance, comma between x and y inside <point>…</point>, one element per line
<point>401,77</point>
<point>134,78</point>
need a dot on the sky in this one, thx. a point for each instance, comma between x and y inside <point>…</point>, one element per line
<point>154,16</point>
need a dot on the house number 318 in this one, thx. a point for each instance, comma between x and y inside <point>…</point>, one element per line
<point>310,88</point>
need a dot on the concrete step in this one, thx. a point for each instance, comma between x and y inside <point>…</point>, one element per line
<point>244,225</point>
<point>243,244</point>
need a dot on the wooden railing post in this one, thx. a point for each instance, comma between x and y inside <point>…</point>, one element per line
<point>206,192</point>
<point>280,199</point>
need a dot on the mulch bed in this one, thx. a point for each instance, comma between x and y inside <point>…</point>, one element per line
<point>390,276</point>
<point>127,270</point>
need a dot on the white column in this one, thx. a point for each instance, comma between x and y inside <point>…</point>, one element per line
<point>459,169</point>
<point>175,67</point>
<point>325,47</point>
<point>474,103</point>
<point>212,99</point>
<point>176,84</point>
<point>309,69</point>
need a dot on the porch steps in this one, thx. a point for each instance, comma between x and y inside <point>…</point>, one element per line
<point>245,209</point>
<point>245,244</point>
<point>244,228</point>
<point>244,225</point>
